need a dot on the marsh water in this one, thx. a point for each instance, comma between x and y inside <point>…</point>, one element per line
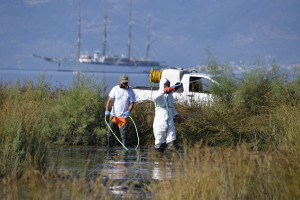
<point>124,167</point>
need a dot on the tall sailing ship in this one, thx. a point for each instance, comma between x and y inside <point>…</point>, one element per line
<point>105,63</point>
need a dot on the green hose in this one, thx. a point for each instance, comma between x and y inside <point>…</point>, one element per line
<point>137,134</point>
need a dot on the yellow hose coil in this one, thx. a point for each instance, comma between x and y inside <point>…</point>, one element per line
<point>155,75</point>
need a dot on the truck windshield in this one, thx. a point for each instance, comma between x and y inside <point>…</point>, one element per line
<point>199,84</point>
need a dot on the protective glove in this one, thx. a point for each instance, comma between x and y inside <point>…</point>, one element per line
<point>168,89</point>
<point>177,85</point>
<point>107,113</point>
<point>127,113</point>
<point>178,118</point>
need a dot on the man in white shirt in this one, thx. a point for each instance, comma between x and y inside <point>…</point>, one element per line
<point>122,99</point>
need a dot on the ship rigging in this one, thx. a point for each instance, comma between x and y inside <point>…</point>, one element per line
<point>105,60</point>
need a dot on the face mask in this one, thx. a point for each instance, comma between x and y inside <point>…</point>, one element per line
<point>124,85</point>
<point>167,84</point>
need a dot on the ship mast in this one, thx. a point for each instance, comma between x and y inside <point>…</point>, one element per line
<point>105,30</point>
<point>79,31</point>
<point>148,38</point>
<point>130,27</point>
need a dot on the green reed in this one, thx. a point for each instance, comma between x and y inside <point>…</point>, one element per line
<point>23,126</point>
<point>33,115</point>
<point>230,173</point>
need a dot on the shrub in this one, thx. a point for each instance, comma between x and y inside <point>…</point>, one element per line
<point>23,126</point>
<point>79,112</point>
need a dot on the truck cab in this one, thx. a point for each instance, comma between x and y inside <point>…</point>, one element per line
<point>195,89</point>
<point>196,86</point>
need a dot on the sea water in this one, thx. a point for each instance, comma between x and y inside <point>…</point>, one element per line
<point>64,78</point>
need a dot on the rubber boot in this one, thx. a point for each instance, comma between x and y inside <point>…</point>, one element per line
<point>124,134</point>
<point>173,146</point>
<point>160,147</point>
<point>110,136</point>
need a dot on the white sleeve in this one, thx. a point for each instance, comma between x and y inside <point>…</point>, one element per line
<point>112,92</point>
<point>132,96</point>
<point>174,112</point>
<point>158,95</point>
<point>173,107</point>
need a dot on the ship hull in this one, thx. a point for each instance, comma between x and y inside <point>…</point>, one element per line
<point>104,68</point>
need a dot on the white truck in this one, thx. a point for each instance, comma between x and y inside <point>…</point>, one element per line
<point>195,89</point>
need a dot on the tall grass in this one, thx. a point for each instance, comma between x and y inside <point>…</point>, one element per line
<point>36,185</point>
<point>230,173</point>
<point>23,126</point>
<point>34,115</point>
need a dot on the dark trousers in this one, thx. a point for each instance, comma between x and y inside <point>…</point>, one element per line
<point>123,132</point>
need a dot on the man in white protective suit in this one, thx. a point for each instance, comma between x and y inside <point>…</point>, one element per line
<point>163,125</point>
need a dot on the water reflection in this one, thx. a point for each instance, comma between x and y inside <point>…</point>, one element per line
<point>161,172</point>
<point>78,159</point>
<point>127,171</point>
<point>117,165</point>
<point>122,164</point>
<point>124,168</point>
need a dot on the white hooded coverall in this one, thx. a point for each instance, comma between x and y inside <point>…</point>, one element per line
<point>163,125</point>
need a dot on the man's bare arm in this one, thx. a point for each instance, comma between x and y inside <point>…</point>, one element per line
<point>131,106</point>
<point>108,103</point>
